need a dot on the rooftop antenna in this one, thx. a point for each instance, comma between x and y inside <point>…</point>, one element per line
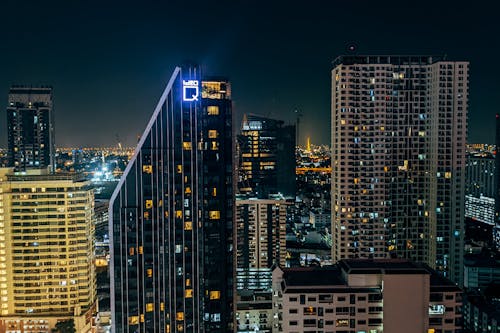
<point>297,124</point>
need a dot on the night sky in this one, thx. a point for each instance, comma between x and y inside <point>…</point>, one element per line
<point>109,61</point>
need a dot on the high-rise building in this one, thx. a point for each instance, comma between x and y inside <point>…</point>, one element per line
<point>171,215</point>
<point>30,130</point>
<point>496,228</point>
<point>261,245</point>
<point>399,127</point>
<point>261,238</point>
<point>266,157</point>
<point>46,251</point>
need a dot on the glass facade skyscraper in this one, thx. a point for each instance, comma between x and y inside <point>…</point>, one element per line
<point>171,215</point>
<point>267,157</point>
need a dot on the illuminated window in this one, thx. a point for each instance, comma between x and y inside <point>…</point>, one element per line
<point>215,145</point>
<point>215,294</point>
<point>179,168</point>
<point>212,110</point>
<point>141,318</point>
<point>188,293</point>
<point>147,169</point>
<point>146,215</point>
<point>180,328</point>
<point>149,307</point>
<point>214,191</point>
<point>133,320</point>
<point>140,250</point>
<point>178,214</point>
<point>188,282</point>
<point>131,251</point>
<point>214,215</point>
<point>342,121</point>
<point>212,134</point>
<point>310,310</point>
<point>180,316</point>
<point>342,323</point>
<point>447,175</point>
<point>186,145</point>
<point>187,190</point>
<point>162,306</point>
<point>188,225</point>
<point>149,204</point>
<point>149,272</point>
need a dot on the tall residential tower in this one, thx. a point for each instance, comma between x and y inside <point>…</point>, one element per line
<point>399,127</point>
<point>171,215</point>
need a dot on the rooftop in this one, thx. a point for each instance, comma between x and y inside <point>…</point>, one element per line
<point>351,59</point>
<point>332,276</point>
<point>382,266</point>
<point>313,276</point>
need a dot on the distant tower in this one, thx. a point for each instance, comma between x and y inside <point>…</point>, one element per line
<point>308,143</point>
<point>30,127</point>
<point>267,156</point>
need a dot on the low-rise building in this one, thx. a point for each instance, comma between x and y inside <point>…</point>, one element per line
<point>482,310</point>
<point>481,270</point>
<point>370,296</point>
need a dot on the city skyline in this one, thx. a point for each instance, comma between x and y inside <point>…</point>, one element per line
<point>96,61</point>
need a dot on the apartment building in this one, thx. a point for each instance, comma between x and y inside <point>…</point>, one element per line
<point>371,296</point>
<point>47,271</point>
<point>399,127</point>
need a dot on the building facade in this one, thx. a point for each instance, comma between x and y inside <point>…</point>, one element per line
<point>261,245</point>
<point>47,272</point>
<point>365,296</point>
<point>399,126</point>
<point>496,229</point>
<point>218,204</point>
<point>30,129</point>
<point>171,215</point>
<point>480,188</point>
<point>267,157</point>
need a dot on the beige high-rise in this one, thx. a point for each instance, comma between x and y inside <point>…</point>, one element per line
<point>46,251</point>
<point>399,126</point>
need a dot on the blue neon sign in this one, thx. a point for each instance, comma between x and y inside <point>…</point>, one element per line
<point>190,90</point>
